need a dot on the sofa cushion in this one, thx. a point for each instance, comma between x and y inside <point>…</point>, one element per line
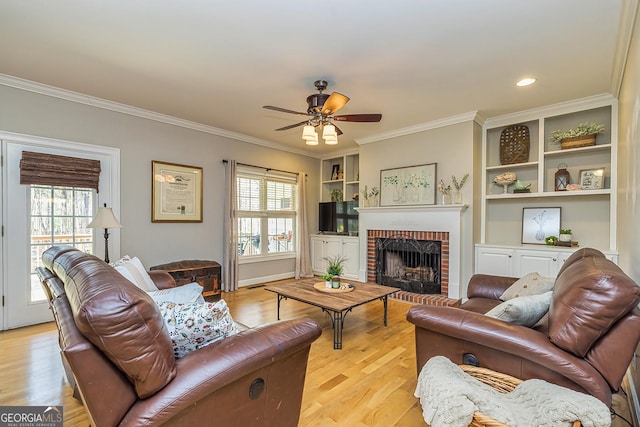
<point>185,294</point>
<point>192,326</point>
<point>525,311</point>
<point>589,296</point>
<point>529,284</point>
<point>120,319</point>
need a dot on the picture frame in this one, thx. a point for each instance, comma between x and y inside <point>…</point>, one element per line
<point>592,179</point>
<point>176,192</point>
<point>540,223</point>
<point>408,186</point>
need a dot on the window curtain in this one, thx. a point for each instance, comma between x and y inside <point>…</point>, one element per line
<point>230,268</point>
<point>51,169</point>
<point>303,254</point>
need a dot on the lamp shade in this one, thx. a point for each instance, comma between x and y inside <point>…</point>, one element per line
<point>331,140</point>
<point>104,219</point>
<point>309,132</point>
<point>329,131</point>
<point>312,141</point>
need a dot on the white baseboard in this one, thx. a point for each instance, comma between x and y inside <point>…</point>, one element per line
<point>264,279</point>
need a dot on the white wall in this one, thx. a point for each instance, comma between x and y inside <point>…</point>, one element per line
<point>140,141</point>
<point>453,147</point>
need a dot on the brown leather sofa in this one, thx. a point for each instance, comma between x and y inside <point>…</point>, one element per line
<point>585,342</point>
<point>117,352</point>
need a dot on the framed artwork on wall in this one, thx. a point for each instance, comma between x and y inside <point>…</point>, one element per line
<point>540,223</point>
<point>176,192</point>
<point>406,186</point>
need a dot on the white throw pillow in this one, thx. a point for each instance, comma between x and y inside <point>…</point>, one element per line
<point>192,326</point>
<point>525,311</point>
<point>529,284</point>
<point>185,294</point>
<point>133,270</point>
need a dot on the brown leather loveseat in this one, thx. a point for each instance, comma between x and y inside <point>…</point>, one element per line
<point>585,342</point>
<point>116,349</point>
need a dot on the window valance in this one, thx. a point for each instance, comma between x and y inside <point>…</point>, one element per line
<point>51,169</point>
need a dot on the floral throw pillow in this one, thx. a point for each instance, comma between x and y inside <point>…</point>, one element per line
<point>192,326</point>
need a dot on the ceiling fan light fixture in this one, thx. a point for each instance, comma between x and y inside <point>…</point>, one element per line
<point>329,131</point>
<point>330,140</point>
<point>311,140</point>
<point>309,132</point>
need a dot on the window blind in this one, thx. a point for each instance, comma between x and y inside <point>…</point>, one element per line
<point>51,169</point>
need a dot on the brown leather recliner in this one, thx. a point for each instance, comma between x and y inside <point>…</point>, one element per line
<point>118,355</point>
<point>585,342</point>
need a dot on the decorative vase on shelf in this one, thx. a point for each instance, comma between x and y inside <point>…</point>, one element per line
<point>446,199</point>
<point>457,197</point>
<point>366,203</point>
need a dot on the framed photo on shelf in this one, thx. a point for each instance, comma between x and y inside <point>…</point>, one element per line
<point>406,186</point>
<point>176,192</point>
<point>540,223</point>
<point>592,179</point>
<point>335,171</point>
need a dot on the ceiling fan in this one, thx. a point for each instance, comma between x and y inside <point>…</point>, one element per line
<point>322,109</point>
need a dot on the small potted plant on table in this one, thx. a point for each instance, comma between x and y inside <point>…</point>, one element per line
<point>335,266</point>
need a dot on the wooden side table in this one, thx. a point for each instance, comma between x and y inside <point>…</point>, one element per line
<point>206,273</point>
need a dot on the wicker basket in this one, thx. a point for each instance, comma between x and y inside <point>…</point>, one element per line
<point>514,145</point>
<point>578,141</point>
<point>503,383</point>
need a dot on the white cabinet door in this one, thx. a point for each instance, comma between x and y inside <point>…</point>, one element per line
<point>544,263</point>
<point>318,264</point>
<point>496,261</point>
<point>351,249</point>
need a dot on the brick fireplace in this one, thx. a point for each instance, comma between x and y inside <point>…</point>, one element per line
<point>441,223</point>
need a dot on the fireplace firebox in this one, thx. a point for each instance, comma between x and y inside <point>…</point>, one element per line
<point>409,264</point>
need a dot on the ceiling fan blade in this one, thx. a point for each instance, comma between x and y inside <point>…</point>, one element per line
<point>335,102</point>
<point>358,118</point>
<point>338,131</point>
<point>294,125</point>
<point>284,110</point>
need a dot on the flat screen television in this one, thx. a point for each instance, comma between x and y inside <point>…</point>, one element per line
<point>338,217</point>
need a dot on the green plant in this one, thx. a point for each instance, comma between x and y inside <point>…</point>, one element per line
<point>457,184</point>
<point>551,240</point>
<point>581,130</point>
<point>336,195</point>
<point>335,265</point>
<point>565,231</point>
<point>327,277</point>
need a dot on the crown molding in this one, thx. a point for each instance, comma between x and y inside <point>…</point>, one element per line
<point>447,121</point>
<point>104,104</point>
<point>551,110</point>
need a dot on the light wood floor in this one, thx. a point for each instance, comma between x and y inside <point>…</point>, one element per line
<point>370,382</point>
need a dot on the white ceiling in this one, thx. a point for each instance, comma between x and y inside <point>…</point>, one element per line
<point>415,61</point>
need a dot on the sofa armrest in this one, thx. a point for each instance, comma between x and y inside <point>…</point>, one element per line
<point>276,352</point>
<point>512,349</point>
<point>488,286</point>
<point>162,279</point>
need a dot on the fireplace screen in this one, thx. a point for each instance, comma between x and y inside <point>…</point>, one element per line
<point>409,264</point>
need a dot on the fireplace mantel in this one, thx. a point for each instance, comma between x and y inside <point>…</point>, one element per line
<point>438,218</point>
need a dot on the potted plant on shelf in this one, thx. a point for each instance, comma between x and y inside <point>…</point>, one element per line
<point>335,267</point>
<point>583,135</point>
<point>565,235</point>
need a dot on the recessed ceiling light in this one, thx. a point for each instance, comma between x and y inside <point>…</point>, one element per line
<point>525,82</point>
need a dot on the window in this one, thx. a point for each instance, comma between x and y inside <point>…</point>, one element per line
<point>58,215</point>
<point>266,213</point>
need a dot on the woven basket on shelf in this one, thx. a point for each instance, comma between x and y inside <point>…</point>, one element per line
<point>578,141</point>
<point>503,383</point>
<point>514,145</point>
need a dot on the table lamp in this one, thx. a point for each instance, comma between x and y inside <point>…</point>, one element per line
<point>105,219</point>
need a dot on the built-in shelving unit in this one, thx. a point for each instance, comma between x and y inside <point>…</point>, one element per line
<point>347,180</point>
<point>591,214</point>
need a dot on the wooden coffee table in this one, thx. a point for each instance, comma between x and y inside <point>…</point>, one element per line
<point>336,305</point>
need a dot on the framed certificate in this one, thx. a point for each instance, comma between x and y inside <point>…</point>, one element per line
<point>176,192</point>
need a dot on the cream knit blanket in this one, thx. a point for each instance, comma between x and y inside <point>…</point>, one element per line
<point>449,397</point>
